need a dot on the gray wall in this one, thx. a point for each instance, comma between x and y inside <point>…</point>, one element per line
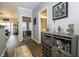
<point>73,18</point>
<point>36,28</point>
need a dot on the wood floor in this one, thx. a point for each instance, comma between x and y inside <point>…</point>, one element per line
<point>34,48</point>
<point>27,48</point>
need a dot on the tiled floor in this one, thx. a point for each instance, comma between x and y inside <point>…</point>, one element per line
<point>26,48</point>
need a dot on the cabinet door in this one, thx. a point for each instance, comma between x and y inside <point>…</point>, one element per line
<point>58,53</point>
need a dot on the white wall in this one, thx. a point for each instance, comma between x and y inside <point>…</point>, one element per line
<point>23,12</point>
<point>73,18</point>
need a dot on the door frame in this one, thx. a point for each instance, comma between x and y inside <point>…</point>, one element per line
<point>30,22</point>
<point>45,8</point>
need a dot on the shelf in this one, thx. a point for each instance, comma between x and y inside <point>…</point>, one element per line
<point>47,42</point>
<point>62,38</point>
<point>48,35</point>
<point>62,51</point>
<point>63,35</point>
<point>52,40</point>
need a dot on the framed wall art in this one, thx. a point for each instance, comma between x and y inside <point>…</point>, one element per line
<point>34,21</point>
<point>60,10</point>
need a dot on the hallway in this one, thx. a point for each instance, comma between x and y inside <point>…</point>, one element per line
<point>26,48</point>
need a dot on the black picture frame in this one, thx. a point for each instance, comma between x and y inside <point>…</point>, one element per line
<point>34,21</point>
<point>60,10</point>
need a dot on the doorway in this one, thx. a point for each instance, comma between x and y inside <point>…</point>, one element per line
<point>42,22</point>
<point>43,18</point>
<point>26,27</point>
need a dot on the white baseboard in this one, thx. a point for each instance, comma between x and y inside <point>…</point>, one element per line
<point>37,41</point>
<point>3,52</point>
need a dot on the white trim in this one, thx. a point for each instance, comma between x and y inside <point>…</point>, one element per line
<point>26,9</point>
<point>31,28</point>
<point>36,41</point>
<point>45,8</point>
<point>3,52</point>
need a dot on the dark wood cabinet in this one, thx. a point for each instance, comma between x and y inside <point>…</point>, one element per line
<point>46,45</point>
<point>57,45</point>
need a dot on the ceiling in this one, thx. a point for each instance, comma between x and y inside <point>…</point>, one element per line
<point>29,5</point>
<point>12,6</point>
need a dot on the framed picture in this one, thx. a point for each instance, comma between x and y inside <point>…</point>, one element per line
<point>34,21</point>
<point>60,10</point>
